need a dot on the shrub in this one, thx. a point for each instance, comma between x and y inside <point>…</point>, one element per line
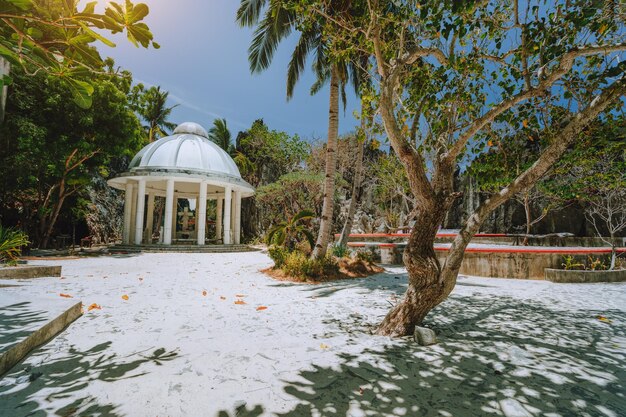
<point>365,256</point>
<point>298,265</point>
<point>11,242</point>
<point>340,251</point>
<point>278,255</point>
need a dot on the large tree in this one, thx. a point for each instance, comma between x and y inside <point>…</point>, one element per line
<point>449,73</point>
<point>50,148</point>
<point>277,20</point>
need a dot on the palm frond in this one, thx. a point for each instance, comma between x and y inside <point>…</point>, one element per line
<point>275,26</point>
<point>298,60</point>
<point>249,12</point>
<point>303,215</point>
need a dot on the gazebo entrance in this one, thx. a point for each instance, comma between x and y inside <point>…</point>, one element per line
<point>184,166</point>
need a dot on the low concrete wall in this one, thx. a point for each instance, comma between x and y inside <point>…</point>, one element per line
<point>30,271</point>
<point>508,265</point>
<point>20,350</point>
<point>570,276</point>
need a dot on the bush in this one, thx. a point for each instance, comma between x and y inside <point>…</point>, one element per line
<point>340,251</point>
<point>298,265</point>
<point>365,256</point>
<point>278,255</point>
<point>11,242</point>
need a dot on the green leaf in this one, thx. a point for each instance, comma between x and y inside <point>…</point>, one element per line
<point>81,91</point>
<point>21,4</point>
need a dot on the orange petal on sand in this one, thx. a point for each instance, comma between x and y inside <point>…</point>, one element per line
<point>222,297</point>
<point>125,297</point>
<point>240,302</point>
<point>65,295</point>
<point>259,308</point>
<point>94,306</point>
<point>204,293</point>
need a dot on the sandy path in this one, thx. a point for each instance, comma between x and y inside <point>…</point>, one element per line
<point>508,347</point>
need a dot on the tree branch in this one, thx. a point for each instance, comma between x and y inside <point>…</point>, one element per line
<point>565,65</point>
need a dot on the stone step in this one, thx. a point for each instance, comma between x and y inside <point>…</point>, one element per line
<point>181,248</point>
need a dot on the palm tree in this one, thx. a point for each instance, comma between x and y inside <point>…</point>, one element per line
<point>288,233</point>
<point>220,135</point>
<point>153,109</point>
<point>276,24</point>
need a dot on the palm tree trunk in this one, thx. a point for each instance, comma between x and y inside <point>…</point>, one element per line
<point>326,221</point>
<point>356,185</point>
<point>5,69</point>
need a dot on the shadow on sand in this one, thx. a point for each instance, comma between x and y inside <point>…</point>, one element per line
<point>496,356</point>
<point>64,376</point>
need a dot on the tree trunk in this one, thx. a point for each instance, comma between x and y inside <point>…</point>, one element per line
<point>5,69</point>
<point>528,218</point>
<point>356,185</point>
<point>425,290</point>
<point>326,221</point>
<point>45,239</point>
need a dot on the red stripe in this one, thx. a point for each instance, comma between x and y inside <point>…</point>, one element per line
<point>504,250</point>
<point>364,235</point>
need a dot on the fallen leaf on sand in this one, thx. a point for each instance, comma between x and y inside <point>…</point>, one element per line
<point>240,302</point>
<point>222,297</point>
<point>259,308</point>
<point>239,295</point>
<point>125,297</point>
<point>65,295</point>
<point>324,346</point>
<point>604,319</point>
<point>94,306</point>
<point>204,293</point>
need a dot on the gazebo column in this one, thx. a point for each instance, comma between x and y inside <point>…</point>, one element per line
<point>128,203</point>
<point>149,219</point>
<point>167,221</point>
<point>141,206</point>
<point>227,210</point>
<point>133,215</point>
<point>201,214</point>
<point>237,217</point>
<point>218,218</point>
<point>174,216</point>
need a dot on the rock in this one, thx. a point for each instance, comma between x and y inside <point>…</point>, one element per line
<point>424,336</point>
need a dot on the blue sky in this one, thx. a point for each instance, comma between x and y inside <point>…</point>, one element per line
<point>203,64</point>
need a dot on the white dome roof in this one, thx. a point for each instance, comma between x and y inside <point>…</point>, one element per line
<point>187,149</point>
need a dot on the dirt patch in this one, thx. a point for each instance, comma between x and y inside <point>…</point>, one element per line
<point>348,269</point>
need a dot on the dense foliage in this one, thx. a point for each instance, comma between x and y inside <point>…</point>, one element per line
<point>56,37</point>
<point>52,148</point>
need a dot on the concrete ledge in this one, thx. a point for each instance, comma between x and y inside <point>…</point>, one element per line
<point>572,276</point>
<point>30,271</point>
<point>18,351</point>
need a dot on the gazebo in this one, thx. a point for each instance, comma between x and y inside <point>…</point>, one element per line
<point>185,165</point>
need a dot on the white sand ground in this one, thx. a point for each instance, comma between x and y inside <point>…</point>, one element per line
<point>507,347</point>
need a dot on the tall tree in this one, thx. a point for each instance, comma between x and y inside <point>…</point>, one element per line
<point>277,22</point>
<point>151,105</point>
<point>449,74</point>
<point>220,134</point>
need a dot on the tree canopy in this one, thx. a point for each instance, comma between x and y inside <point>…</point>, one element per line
<point>57,38</point>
